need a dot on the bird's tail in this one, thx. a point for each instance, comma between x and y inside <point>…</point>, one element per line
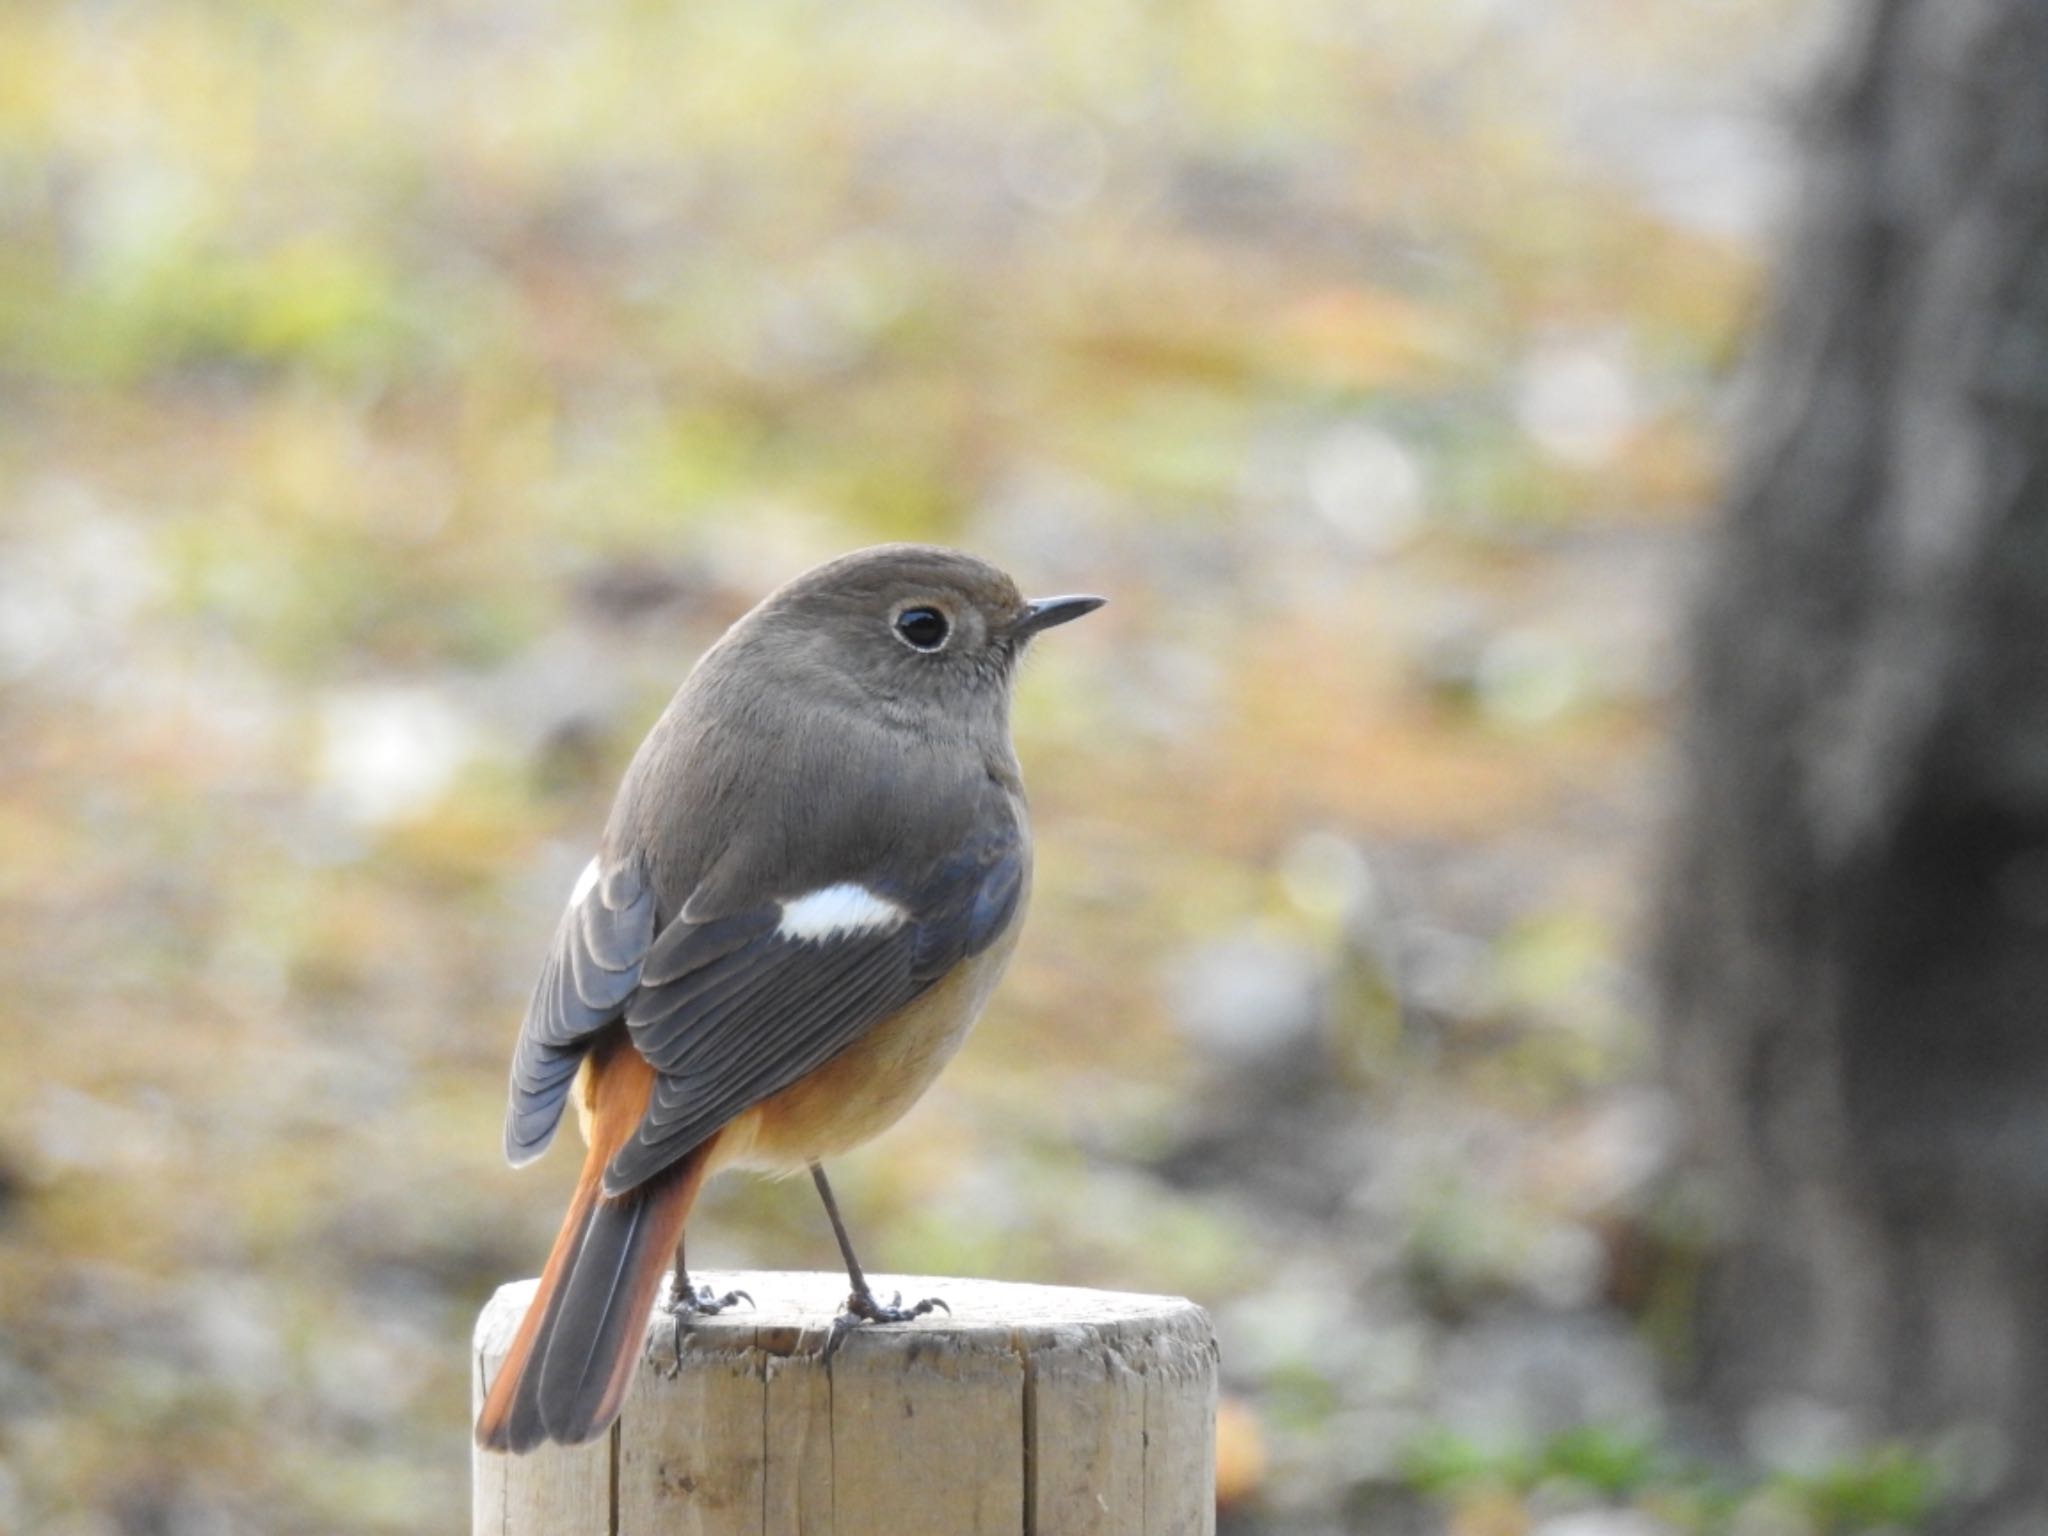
<point>572,1360</point>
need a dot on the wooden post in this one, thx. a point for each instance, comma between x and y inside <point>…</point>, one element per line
<point>1030,1411</point>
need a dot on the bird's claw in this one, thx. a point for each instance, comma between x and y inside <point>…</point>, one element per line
<point>702,1299</point>
<point>862,1307</point>
<point>695,1301</point>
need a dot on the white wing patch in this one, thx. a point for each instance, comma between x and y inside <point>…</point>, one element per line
<point>585,883</point>
<point>837,909</point>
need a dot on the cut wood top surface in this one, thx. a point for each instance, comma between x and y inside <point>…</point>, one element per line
<point>799,1303</point>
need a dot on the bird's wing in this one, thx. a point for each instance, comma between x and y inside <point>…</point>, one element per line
<point>592,968</point>
<point>734,1009</point>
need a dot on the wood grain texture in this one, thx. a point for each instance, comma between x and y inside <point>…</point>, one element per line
<point>1031,1411</point>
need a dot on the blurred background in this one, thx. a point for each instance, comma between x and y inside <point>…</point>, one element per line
<point>394,399</point>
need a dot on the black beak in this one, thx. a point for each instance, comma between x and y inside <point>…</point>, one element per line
<point>1049,612</point>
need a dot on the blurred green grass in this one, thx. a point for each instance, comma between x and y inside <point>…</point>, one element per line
<point>393,401</point>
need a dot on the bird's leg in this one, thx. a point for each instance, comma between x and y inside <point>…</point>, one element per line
<point>687,1300</point>
<point>861,1305</point>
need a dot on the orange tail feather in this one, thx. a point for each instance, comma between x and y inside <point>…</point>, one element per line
<point>572,1360</point>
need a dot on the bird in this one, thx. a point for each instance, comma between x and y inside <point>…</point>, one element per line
<point>811,879</point>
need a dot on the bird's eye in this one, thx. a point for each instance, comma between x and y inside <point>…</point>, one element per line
<point>922,629</point>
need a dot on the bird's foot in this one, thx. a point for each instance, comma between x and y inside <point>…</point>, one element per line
<point>862,1307</point>
<point>695,1301</point>
<point>702,1299</point>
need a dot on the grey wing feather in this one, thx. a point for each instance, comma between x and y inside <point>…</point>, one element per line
<point>592,969</point>
<point>776,1010</point>
<point>732,1012</point>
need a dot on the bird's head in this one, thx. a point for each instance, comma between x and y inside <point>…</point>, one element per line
<point>910,625</point>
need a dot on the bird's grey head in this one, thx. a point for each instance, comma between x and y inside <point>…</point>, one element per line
<point>910,624</point>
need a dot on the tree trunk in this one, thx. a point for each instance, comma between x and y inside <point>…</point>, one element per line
<point>1853,953</point>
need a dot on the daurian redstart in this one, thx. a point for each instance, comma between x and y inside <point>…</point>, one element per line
<point>811,880</point>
